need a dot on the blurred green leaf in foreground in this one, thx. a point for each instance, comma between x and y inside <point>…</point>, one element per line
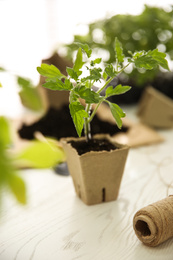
<point>40,153</point>
<point>9,178</point>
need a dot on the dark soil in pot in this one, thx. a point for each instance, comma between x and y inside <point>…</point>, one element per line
<point>58,123</point>
<point>92,145</point>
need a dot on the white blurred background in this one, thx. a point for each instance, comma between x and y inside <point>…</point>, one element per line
<point>31,29</point>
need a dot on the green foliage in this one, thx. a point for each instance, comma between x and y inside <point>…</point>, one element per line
<point>150,60</point>
<point>78,114</point>
<point>50,72</point>
<point>119,51</point>
<point>8,175</point>
<point>29,94</point>
<point>81,87</point>
<point>43,153</point>
<point>40,154</point>
<point>146,31</point>
<point>110,91</point>
<point>117,113</point>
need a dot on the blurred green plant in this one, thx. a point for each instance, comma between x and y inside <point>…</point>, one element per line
<point>8,173</point>
<point>28,92</point>
<point>43,153</point>
<point>151,29</point>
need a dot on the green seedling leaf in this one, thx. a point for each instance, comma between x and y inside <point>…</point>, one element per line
<point>150,60</point>
<point>73,74</point>
<point>95,74</point>
<point>88,95</point>
<point>119,51</point>
<point>67,84</point>
<point>58,85</point>
<point>119,89</point>
<point>73,96</point>
<point>110,71</point>
<point>0,85</point>
<point>78,62</point>
<point>86,48</point>
<point>78,114</point>
<point>41,154</point>
<point>117,113</point>
<point>145,62</point>
<point>96,61</point>
<point>138,54</point>
<point>105,75</point>
<point>50,71</point>
<point>159,57</point>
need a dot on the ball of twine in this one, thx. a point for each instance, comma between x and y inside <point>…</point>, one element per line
<point>153,224</point>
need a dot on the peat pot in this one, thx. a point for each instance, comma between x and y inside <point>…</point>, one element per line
<point>156,109</point>
<point>96,174</point>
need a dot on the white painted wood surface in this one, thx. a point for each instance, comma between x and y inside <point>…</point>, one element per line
<point>56,225</point>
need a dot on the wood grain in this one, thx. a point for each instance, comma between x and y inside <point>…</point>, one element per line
<point>56,224</point>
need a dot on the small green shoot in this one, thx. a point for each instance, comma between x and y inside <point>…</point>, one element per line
<point>80,87</point>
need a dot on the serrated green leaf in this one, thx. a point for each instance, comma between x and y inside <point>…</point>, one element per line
<point>117,113</point>
<point>138,54</point>
<point>54,85</point>
<point>67,84</point>
<point>145,62</point>
<point>59,85</point>
<point>150,60</point>
<point>78,114</point>
<point>95,74</point>
<point>78,62</point>
<point>159,57</point>
<point>73,74</point>
<point>110,71</point>
<point>105,75</point>
<point>73,96</point>
<point>96,61</point>
<point>86,48</point>
<point>119,51</point>
<point>88,95</point>
<point>119,89</point>
<point>50,71</point>
<point>41,154</point>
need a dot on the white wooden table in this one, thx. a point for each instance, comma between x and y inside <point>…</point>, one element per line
<point>56,225</point>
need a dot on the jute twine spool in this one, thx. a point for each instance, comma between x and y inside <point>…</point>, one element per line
<point>154,224</point>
